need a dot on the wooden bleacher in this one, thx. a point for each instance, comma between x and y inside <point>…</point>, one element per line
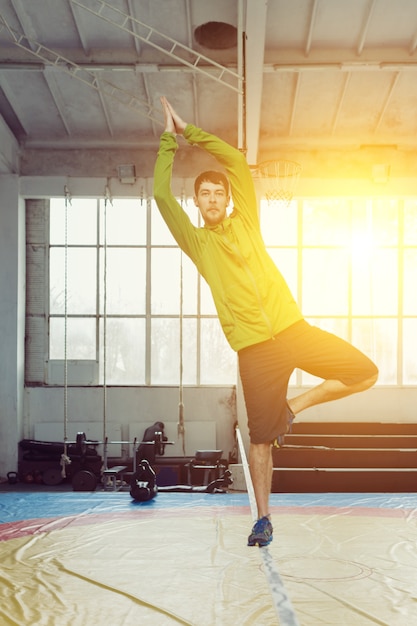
<point>347,457</point>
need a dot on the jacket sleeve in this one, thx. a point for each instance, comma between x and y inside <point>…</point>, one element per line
<point>178,222</point>
<point>234,161</point>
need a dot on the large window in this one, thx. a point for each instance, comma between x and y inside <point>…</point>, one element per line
<point>122,294</point>
<point>352,265</point>
<point>124,299</point>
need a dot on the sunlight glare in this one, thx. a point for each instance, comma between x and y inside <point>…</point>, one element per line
<point>362,246</point>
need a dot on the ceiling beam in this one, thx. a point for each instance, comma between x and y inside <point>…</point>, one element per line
<point>79,29</point>
<point>413,45</point>
<point>136,42</point>
<point>365,27</point>
<point>286,63</point>
<point>49,75</point>
<point>294,104</point>
<point>9,150</point>
<point>189,30</point>
<point>341,101</point>
<point>156,130</point>
<point>167,45</point>
<point>105,110</point>
<point>15,103</point>
<point>24,19</point>
<point>387,100</point>
<point>50,57</point>
<point>312,23</point>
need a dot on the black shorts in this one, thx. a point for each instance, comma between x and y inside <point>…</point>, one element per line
<point>265,369</point>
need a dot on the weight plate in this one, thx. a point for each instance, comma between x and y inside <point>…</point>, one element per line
<point>159,445</point>
<point>52,476</point>
<point>84,481</point>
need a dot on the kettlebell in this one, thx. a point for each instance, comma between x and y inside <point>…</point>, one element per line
<point>12,478</point>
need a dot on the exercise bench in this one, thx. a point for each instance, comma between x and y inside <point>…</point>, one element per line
<point>111,475</point>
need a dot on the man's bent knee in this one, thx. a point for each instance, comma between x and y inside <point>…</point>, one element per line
<point>367,383</point>
<point>370,382</point>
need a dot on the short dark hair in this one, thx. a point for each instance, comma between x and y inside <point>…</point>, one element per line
<point>211,176</point>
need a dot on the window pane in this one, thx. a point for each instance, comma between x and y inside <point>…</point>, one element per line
<point>165,352</point>
<point>125,281</point>
<point>385,221</point>
<point>409,352</point>
<point>189,286</point>
<point>126,222</point>
<point>160,233</point>
<point>165,281</point>
<point>125,351</point>
<point>325,282</point>
<point>81,338</point>
<point>375,283</point>
<point>375,221</point>
<point>189,352</point>
<point>326,222</point>
<point>278,224</point>
<point>81,280</point>
<point>218,361</point>
<point>410,282</point>
<point>81,221</point>
<point>378,339</point>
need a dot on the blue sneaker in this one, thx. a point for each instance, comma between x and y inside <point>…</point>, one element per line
<point>261,534</point>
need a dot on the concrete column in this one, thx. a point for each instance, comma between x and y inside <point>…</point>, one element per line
<point>12,320</point>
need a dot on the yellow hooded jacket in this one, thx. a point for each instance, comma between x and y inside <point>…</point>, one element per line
<point>252,299</point>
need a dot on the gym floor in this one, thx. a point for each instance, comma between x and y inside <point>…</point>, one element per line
<point>80,558</point>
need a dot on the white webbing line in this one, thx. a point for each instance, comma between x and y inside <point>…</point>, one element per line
<point>282,603</point>
<point>181,425</point>
<point>66,323</point>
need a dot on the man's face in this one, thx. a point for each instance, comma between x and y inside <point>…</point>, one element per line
<point>212,200</point>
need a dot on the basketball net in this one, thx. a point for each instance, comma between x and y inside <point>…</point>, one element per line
<point>277,180</point>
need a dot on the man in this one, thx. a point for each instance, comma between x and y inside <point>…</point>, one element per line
<point>257,312</point>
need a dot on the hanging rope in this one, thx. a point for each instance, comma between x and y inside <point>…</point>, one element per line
<point>65,460</point>
<point>181,425</point>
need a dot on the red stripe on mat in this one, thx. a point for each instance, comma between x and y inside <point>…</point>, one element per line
<point>14,530</point>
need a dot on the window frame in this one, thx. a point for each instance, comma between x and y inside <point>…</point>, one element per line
<point>40,369</point>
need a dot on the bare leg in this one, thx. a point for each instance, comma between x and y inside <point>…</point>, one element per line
<point>327,391</point>
<point>260,464</point>
<point>260,455</point>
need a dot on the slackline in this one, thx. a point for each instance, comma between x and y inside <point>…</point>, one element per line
<point>282,602</point>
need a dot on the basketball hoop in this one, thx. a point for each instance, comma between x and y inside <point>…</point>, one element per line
<point>277,180</point>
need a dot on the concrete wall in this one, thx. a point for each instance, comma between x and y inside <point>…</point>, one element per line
<point>12,319</point>
<point>209,415</point>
